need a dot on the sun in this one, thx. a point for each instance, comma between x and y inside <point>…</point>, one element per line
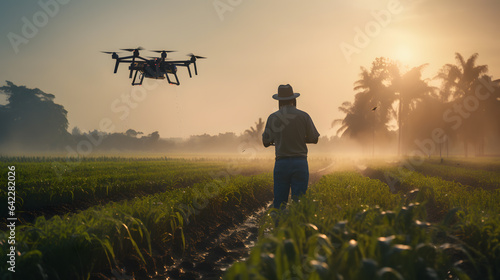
<point>403,54</point>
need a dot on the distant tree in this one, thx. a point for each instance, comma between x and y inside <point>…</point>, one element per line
<point>31,119</point>
<point>369,118</point>
<point>460,81</point>
<point>410,90</point>
<point>132,133</point>
<point>372,108</point>
<point>76,131</point>
<point>154,137</point>
<point>485,120</point>
<point>421,123</point>
<point>255,134</point>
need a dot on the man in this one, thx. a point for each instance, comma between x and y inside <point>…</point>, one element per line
<point>289,129</point>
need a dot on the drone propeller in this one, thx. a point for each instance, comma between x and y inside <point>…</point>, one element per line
<point>195,56</point>
<point>136,54</point>
<point>193,60</point>
<point>163,51</point>
<point>114,55</point>
<point>133,50</point>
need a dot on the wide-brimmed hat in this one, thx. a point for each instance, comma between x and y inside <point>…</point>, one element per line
<point>285,92</point>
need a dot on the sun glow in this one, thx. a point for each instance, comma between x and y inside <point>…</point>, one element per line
<point>403,54</point>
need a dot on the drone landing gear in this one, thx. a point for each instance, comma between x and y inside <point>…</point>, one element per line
<point>138,78</point>
<point>141,78</point>
<point>176,79</point>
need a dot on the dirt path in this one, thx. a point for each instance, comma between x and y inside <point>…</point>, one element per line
<point>217,254</point>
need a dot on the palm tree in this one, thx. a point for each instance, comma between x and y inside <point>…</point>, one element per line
<point>355,125</point>
<point>256,133</point>
<point>492,114</point>
<point>359,122</point>
<point>459,82</point>
<point>410,90</point>
<point>484,122</point>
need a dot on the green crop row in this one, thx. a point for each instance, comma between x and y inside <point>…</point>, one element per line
<point>103,238</point>
<point>351,227</point>
<point>467,176</point>
<point>479,163</point>
<point>470,214</point>
<point>45,184</point>
<point>446,195</point>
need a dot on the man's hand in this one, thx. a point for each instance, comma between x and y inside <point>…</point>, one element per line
<point>267,144</point>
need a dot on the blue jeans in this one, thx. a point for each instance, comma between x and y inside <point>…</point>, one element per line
<point>289,173</point>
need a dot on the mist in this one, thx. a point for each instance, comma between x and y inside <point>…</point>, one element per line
<point>394,111</point>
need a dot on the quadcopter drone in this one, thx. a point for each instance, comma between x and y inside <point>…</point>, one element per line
<point>155,67</point>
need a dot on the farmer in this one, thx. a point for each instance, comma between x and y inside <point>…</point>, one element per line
<point>289,129</point>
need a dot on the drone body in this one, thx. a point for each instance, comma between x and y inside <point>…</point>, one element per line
<point>154,68</point>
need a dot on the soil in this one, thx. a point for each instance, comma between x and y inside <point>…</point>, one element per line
<point>217,252</point>
<point>208,258</point>
<point>434,211</point>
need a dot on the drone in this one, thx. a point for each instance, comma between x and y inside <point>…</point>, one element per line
<point>154,67</point>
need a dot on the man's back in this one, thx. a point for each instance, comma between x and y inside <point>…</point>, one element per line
<point>290,129</point>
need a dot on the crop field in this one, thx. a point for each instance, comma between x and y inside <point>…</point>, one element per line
<point>166,218</point>
<point>110,214</point>
<point>386,221</point>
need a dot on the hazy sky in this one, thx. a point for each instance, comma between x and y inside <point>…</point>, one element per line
<point>252,47</point>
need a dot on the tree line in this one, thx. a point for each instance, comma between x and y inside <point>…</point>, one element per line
<point>31,121</point>
<point>398,108</point>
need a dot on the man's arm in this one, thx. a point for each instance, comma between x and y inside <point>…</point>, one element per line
<point>267,136</point>
<point>312,134</point>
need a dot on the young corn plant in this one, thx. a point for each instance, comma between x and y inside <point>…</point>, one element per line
<point>350,227</point>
